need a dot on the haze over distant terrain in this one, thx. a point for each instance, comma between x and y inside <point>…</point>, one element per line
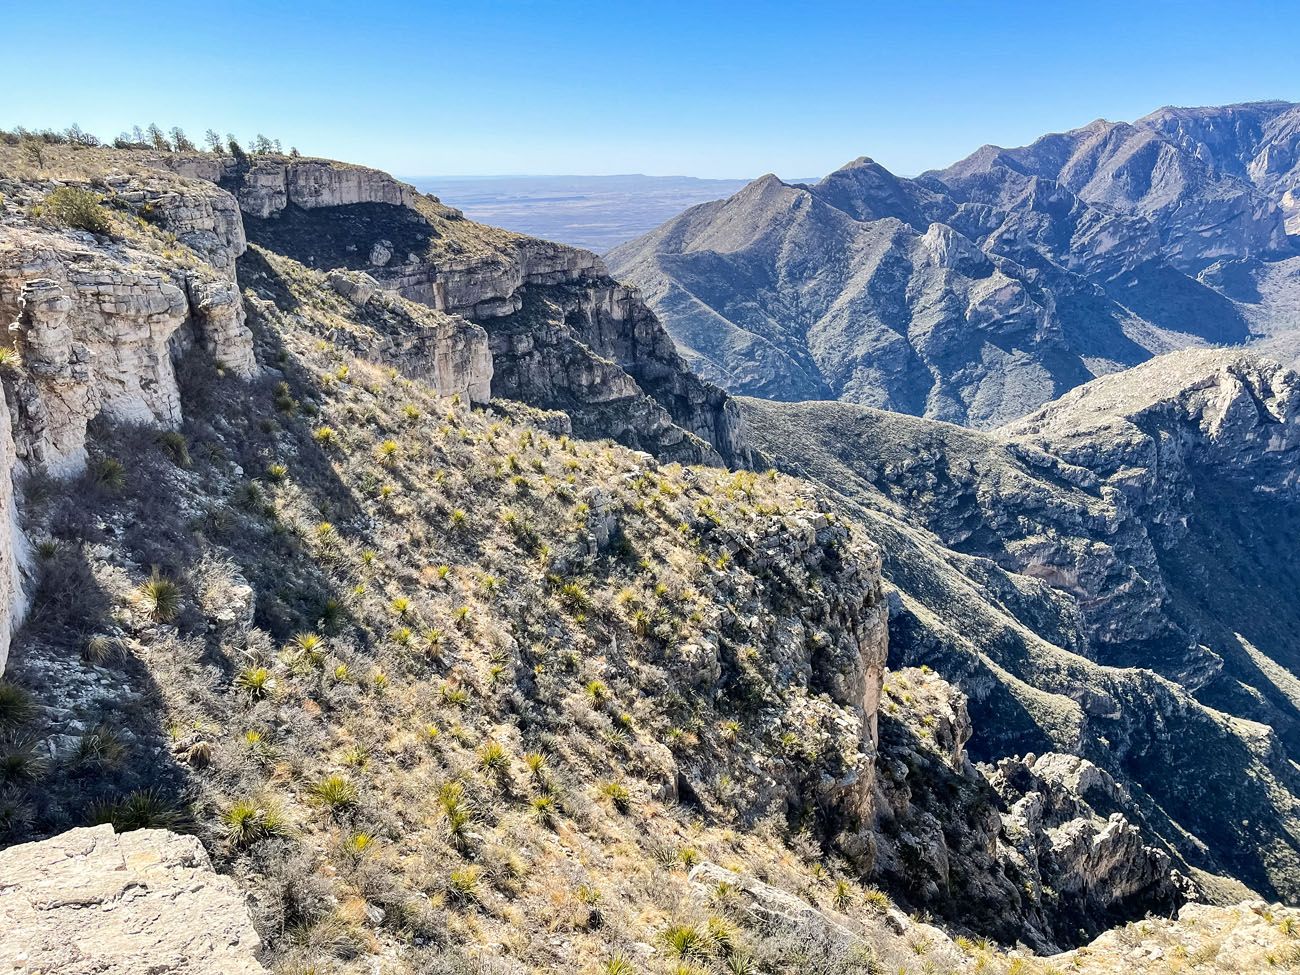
<point>595,212</point>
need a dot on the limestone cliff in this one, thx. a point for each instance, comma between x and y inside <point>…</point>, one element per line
<point>98,319</point>
<point>564,334</point>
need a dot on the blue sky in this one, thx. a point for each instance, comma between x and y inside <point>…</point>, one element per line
<point>699,88</point>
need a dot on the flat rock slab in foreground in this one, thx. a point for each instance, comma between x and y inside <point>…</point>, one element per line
<point>89,902</point>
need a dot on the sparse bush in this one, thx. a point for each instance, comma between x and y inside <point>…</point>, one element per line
<point>76,207</point>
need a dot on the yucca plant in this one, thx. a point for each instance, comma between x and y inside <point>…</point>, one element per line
<point>16,705</point>
<point>160,597</point>
<point>544,808</point>
<point>535,763</point>
<point>618,795</point>
<point>334,792</point>
<point>494,759</point>
<point>358,845</point>
<point>721,934</point>
<point>247,822</point>
<point>109,473</point>
<point>842,895</point>
<point>142,809</point>
<point>684,941</point>
<point>463,884</point>
<point>257,682</point>
<point>21,759</point>
<point>309,649</point>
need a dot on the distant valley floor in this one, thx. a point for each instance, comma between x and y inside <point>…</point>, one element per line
<point>595,212</point>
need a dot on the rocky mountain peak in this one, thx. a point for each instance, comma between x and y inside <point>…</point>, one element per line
<point>1126,240</point>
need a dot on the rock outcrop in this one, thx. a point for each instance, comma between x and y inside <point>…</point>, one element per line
<point>1045,839</point>
<point>91,902</point>
<point>1065,833</point>
<point>976,293</point>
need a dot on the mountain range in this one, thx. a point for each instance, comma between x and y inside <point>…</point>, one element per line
<point>976,293</point>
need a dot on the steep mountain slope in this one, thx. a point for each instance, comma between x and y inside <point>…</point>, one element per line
<point>975,293</point>
<point>428,675</point>
<point>1142,521</point>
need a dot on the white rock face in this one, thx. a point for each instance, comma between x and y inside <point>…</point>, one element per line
<point>14,548</point>
<point>98,324</point>
<point>89,902</point>
<point>268,185</point>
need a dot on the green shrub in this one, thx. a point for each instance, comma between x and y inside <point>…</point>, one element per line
<point>618,794</point>
<point>142,809</point>
<point>463,884</point>
<point>76,207</point>
<point>494,759</point>
<point>256,682</point>
<point>684,941</point>
<point>109,473</point>
<point>176,447</point>
<point>20,759</point>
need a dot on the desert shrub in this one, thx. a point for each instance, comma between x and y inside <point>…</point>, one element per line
<point>109,473</point>
<point>256,682</point>
<point>247,821</point>
<point>76,207</point>
<point>21,759</point>
<point>334,792</point>
<point>176,447</point>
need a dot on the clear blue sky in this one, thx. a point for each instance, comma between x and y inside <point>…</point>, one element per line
<point>579,86</point>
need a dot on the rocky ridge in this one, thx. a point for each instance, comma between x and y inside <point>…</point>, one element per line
<point>976,293</point>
